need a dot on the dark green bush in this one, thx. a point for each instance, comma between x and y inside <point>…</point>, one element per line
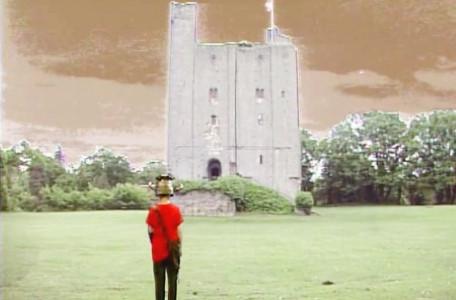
<point>190,185</point>
<point>26,201</point>
<point>123,196</point>
<point>19,198</point>
<point>304,202</point>
<point>77,200</point>
<point>55,198</point>
<point>99,199</point>
<point>66,182</point>
<point>248,196</point>
<point>128,196</point>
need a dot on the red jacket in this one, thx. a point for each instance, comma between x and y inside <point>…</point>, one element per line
<point>171,218</point>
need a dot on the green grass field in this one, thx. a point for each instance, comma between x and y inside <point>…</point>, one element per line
<point>367,252</point>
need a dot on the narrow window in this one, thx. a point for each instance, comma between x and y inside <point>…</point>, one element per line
<point>213,94</point>
<point>260,119</point>
<point>259,95</point>
<point>261,159</point>
<point>214,120</point>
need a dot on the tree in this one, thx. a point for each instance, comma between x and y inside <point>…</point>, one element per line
<point>308,159</point>
<point>59,156</point>
<point>37,179</point>
<point>431,157</point>
<point>345,168</point>
<point>103,169</point>
<point>3,185</point>
<point>33,170</point>
<point>150,171</point>
<point>43,170</point>
<point>382,135</point>
<point>67,182</point>
<point>13,163</point>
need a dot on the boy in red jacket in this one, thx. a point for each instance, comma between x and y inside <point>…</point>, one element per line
<point>163,223</point>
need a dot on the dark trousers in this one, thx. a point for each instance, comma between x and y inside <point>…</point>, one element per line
<point>160,268</point>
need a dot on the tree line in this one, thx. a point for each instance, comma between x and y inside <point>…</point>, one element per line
<point>33,181</point>
<point>370,158</point>
<point>377,158</point>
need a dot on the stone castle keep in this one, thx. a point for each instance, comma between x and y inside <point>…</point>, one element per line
<point>232,107</point>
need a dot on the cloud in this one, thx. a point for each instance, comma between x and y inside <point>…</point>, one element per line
<point>139,144</point>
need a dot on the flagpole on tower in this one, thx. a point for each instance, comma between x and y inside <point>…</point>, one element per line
<point>272,14</point>
<point>270,8</point>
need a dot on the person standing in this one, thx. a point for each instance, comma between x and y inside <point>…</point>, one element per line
<point>163,221</point>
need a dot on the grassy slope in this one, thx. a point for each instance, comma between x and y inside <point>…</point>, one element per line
<point>368,252</point>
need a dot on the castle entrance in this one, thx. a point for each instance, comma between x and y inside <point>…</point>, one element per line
<point>214,169</point>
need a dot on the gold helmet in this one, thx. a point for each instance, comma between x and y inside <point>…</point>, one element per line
<point>164,185</point>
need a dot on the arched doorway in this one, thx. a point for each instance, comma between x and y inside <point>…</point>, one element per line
<point>214,169</point>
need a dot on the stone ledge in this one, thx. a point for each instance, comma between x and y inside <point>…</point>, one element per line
<point>205,203</point>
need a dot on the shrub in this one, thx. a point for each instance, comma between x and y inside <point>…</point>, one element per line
<point>27,202</point>
<point>128,196</point>
<point>76,200</point>
<point>248,196</point>
<point>19,196</point>
<point>304,202</point>
<point>20,199</point>
<point>192,185</point>
<point>123,196</point>
<point>55,198</point>
<point>404,200</point>
<point>98,198</point>
<point>66,182</point>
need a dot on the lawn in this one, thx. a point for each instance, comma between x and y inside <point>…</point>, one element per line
<point>366,252</point>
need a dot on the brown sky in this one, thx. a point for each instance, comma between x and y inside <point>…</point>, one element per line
<point>86,73</point>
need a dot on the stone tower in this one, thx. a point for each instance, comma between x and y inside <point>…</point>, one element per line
<point>232,107</point>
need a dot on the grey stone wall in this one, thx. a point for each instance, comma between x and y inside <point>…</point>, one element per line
<point>181,55</point>
<point>200,203</point>
<point>213,68</point>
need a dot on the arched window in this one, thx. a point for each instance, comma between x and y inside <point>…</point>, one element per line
<point>214,169</point>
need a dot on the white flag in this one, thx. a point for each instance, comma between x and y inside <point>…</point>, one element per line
<point>269,5</point>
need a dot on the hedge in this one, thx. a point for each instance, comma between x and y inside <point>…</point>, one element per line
<point>248,196</point>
